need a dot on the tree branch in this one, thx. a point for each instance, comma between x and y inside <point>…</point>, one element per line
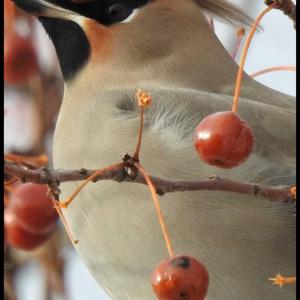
<point>127,172</point>
<point>288,7</point>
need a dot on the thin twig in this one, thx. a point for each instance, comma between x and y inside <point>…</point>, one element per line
<point>43,176</point>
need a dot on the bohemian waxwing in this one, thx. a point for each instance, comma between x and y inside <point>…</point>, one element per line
<point>107,50</point>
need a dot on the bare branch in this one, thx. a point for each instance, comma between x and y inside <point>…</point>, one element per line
<point>288,7</point>
<point>123,173</point>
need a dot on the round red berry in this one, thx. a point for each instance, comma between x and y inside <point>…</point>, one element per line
<point>223,139</point>
<point>18,237</point>
<point>20,59</point>
<point>33,208</point>
<point>180,278</point>
<point>29,216</point>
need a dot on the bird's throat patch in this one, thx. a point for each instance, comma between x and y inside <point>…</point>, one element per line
<point>71,44</point>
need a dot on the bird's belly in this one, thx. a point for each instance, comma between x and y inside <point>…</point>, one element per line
<point>242,240</point>
<point>241,243</point>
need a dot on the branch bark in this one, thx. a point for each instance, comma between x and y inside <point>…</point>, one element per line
<point>128,173</point>
<point>288,7</point>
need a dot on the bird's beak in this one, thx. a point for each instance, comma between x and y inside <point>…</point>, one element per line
<point>43,8</point>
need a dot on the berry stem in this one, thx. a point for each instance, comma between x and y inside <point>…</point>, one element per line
<point>144,100</point>
<point>239,34</point>
<point>272,69</point>
<point>64,222</point>
<point>39,160</point>
<point>281,281</point>
<point>65,204</point>
<point>244,55</point>
<point>140,135</point>
<point>157,206</point>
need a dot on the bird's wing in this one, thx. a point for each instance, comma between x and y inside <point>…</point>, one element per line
<point>241,239</point>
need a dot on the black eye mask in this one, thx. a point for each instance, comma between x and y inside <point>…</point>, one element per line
<point>106,12</point>
<point>70,41</point>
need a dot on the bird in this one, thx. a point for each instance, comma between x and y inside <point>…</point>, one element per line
<point>108,50</point>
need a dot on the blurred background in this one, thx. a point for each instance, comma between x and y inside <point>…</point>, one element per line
<point>33,90</point>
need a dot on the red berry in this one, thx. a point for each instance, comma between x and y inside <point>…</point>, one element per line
<point>20,59</point>
<point>33,208</point>
<point>180,278</point>
<point>18,237</point>
<point>223,139</point>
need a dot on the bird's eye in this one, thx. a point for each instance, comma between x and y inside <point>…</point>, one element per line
<point>118,12</point>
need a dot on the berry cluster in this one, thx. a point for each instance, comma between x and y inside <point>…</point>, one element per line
<point>20,57</point>
<point>29,216</point>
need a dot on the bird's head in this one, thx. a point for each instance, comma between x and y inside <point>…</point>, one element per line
<point>125,36</point>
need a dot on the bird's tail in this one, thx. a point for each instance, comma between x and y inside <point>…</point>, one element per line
<point>225,10</point>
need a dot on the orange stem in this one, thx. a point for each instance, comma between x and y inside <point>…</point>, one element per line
<point>290,280</point>
<point>144,100</point>
<point>281,281</point>
<point>244,55</point>
<point>139,142</point>
<point>237,47</point>
<point>65,204</point>
<point>158,208</point>
<point>65,223</point>
<point>272,69</point>
<point>240,34</point>
<point>40,160</point>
